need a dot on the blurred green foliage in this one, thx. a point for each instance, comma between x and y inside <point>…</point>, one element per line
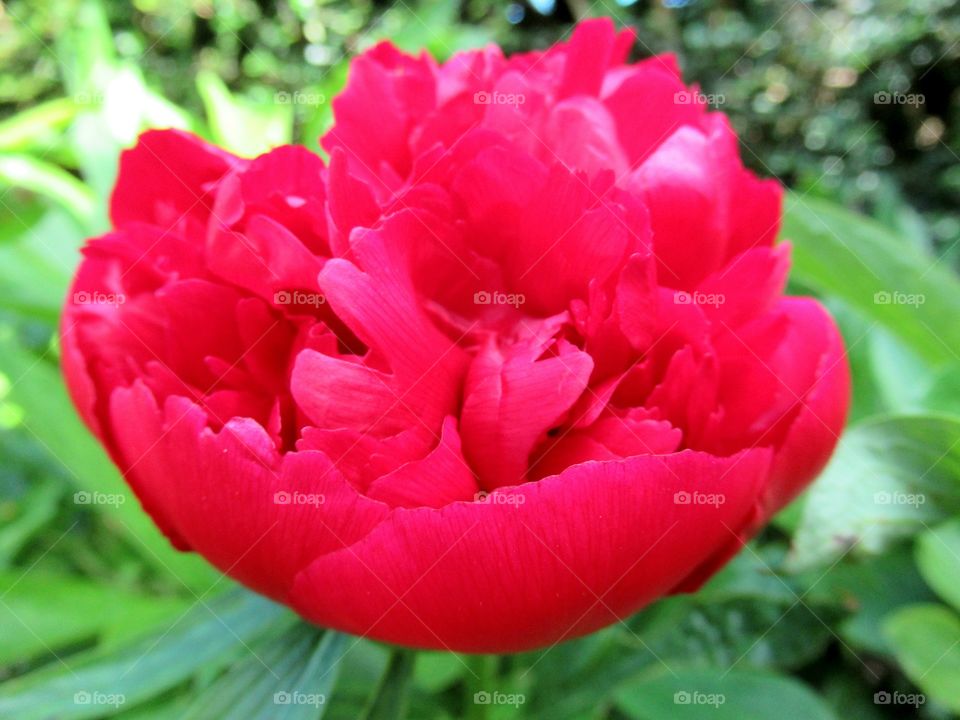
<point>848,599</point>
<point>805,83</point>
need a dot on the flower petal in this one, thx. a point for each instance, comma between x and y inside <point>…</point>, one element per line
<point>168,176</point>
<point>537,564</point>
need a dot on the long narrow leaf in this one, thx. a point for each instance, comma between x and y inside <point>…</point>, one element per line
<point>207,636</point>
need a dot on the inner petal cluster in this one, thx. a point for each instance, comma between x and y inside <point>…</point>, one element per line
<point>527,264</point>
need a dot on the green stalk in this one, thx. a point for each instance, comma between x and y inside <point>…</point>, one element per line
<point>481,683</point>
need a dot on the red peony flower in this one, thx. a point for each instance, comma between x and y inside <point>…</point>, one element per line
<point>514,364</point>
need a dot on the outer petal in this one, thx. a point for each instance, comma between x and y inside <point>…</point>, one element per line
<point>755,216</point>
<point>169,175</point>
<point>387,90</point>
<point>811,436</point>
<point>649,104</point>
<point>537,564</point>
<point>750,285</point>
<point>589,53</point>
<point>79,384</point>
<point>823,411</point>
<point>230,497</point>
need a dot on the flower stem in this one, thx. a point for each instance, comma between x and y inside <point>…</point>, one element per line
<point>481,683</point>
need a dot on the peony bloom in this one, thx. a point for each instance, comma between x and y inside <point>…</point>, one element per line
<point>514,363</point>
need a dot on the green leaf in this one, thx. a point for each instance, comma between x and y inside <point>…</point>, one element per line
<point>126,107</point>
<point>938,557</point>
<point>288,677</point>
<point>37,257</point>
<point>389,700</point>
<point>162,708</point>
<point>436,671</point>
<point>361,668</point>
<point>242,126</point>
<point>85,50</point>
<point>32,513</point>
<point>114,101</point>
<point>906,384</point>
<point>51,182</point>
<point>901,378</point>
<point>682,634</point>
<point>943,394</point>
<point>888,477</point>
<point>926,642</point>
<point>434,26</point>
<point>865,589</point>
<point>719,696</point>
<point>35,127</point>
<point>854,258</point>
<point>35,620</point>
<point>744,632</point>
<point>205,638</point>
<point>848,693</point>
<point>752,575</point>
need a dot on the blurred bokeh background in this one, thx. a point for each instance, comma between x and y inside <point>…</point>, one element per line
<point>846,608</point>
<point>804,81</point>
